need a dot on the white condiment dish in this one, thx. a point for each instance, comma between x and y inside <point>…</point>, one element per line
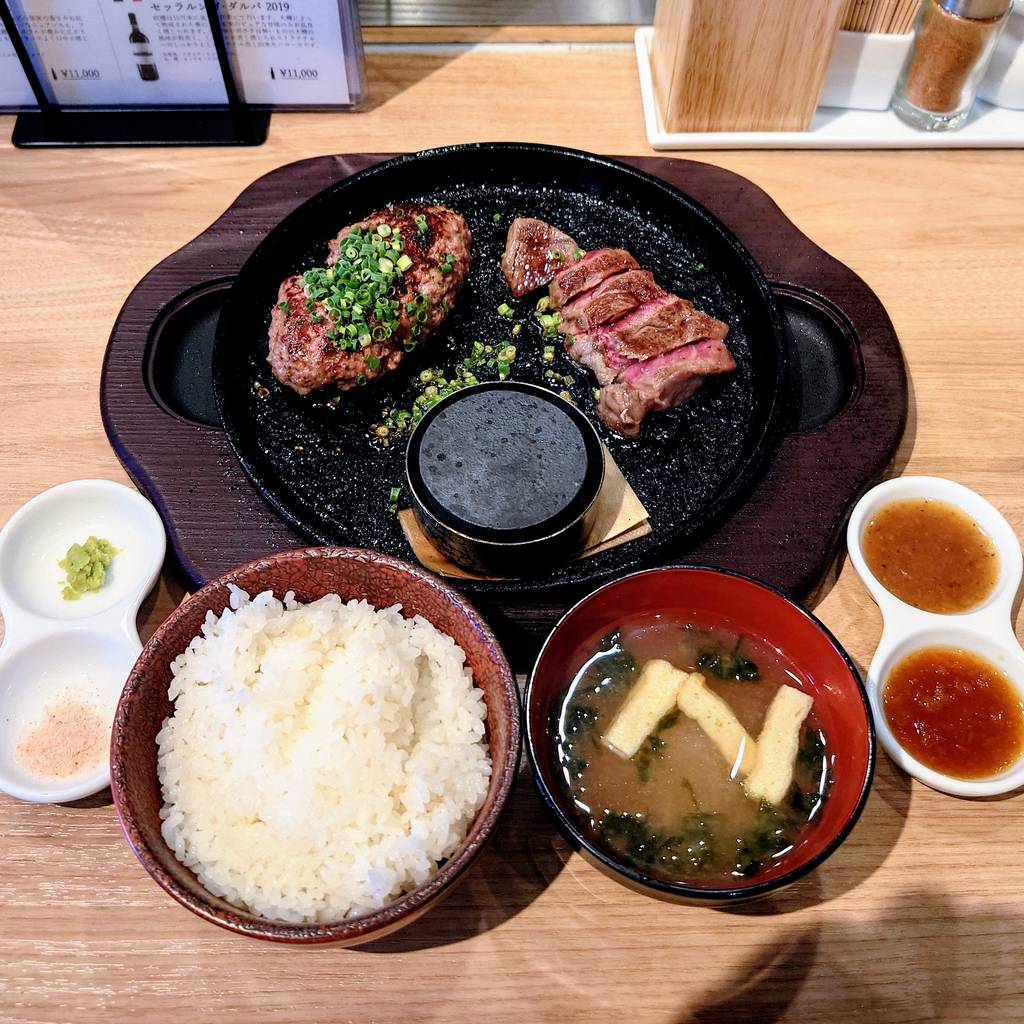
<point>985,630</point>
<point>83,649</point>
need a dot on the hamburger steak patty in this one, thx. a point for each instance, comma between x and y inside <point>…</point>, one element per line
<point>305,356</point>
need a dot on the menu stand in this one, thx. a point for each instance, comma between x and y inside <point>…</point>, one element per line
<point>234,124</point>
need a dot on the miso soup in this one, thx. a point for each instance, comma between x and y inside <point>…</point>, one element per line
<point>677,808</point>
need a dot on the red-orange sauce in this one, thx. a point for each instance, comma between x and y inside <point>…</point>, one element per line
<point>931,554</point>
<point>955,712</point>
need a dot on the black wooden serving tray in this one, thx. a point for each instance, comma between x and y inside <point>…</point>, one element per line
<point>847,391</point>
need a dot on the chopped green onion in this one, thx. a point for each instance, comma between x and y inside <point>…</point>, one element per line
<point>496,218</point>
<point>504,309</point>
<point>284,306</point>
<point>447,265</point>
<point>517,330</point>
<point>358,294</point>
<point>548,321</point>
<point>543,303</point>
<point>433,384</point>
<point>557,255</point>
<point>404,263</point>
<point>578,254</point>
<point>566,396</point>
<point>549,353</point>
<point>698,266</point>
<point>372,361</point>
<point>421,223</point>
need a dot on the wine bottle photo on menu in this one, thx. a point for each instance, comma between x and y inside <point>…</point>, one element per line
<point>141,52</point>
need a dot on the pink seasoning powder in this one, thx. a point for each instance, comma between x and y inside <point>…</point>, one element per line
<point>71,739</point>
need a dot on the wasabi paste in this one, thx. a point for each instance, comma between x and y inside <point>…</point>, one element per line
<point>86,566</point>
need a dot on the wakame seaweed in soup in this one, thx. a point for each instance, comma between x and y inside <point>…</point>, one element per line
<point>676,809</point>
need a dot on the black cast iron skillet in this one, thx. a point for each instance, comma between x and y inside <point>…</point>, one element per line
<point>314,462</point>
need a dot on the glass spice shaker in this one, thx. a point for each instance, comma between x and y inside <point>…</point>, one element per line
<point>954,41</point>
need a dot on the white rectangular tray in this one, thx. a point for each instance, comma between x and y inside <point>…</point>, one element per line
<point>832,127</point>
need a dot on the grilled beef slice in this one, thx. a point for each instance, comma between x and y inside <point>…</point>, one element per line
<point>588,272</point>
<point>613,298</point>
<point>534,252</point>
<point>660,383</point>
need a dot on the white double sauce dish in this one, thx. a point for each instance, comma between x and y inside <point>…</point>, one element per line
<point>984,630</point>
<point>62,655</point>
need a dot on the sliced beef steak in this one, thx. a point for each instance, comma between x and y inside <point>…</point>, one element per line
<point>649,350</point>
<point>534,252</point>
<point>659,326</point>
<point>660,383</point>
<point>612,299</point>
<point>306,352</point>
<point>588,272</point>
<point>586,349</point>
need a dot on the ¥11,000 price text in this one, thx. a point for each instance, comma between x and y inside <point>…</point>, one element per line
<point>75,74</point>
<point>305,74</point>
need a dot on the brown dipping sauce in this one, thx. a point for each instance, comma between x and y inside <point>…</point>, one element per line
<point>955,712</point>
<point>931,554</point>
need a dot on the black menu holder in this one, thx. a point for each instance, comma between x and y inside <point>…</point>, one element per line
<point>233,124</point>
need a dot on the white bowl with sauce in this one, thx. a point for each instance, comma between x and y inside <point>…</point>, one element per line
<point>985,629</point>
<point>57,652</point>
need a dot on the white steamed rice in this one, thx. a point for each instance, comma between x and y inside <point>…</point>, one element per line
<point>322,758</point>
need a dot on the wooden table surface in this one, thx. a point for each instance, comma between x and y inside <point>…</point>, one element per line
<point>917,917</point>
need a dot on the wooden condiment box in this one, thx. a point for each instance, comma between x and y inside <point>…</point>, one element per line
<point>742,65</point>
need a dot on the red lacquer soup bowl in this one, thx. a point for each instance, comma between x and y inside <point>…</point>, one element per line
<point>711,597</point>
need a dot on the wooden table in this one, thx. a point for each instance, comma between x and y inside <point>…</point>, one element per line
<point>916,918</point>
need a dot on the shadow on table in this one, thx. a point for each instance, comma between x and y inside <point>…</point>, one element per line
<point>101,799</point>
<point>765,985</point>
<point>170,590</point>
<point>896,468</point>
<point>524,857</point>
<point>393,67</point>
<point>906,448</point>
<point>921,958</point>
